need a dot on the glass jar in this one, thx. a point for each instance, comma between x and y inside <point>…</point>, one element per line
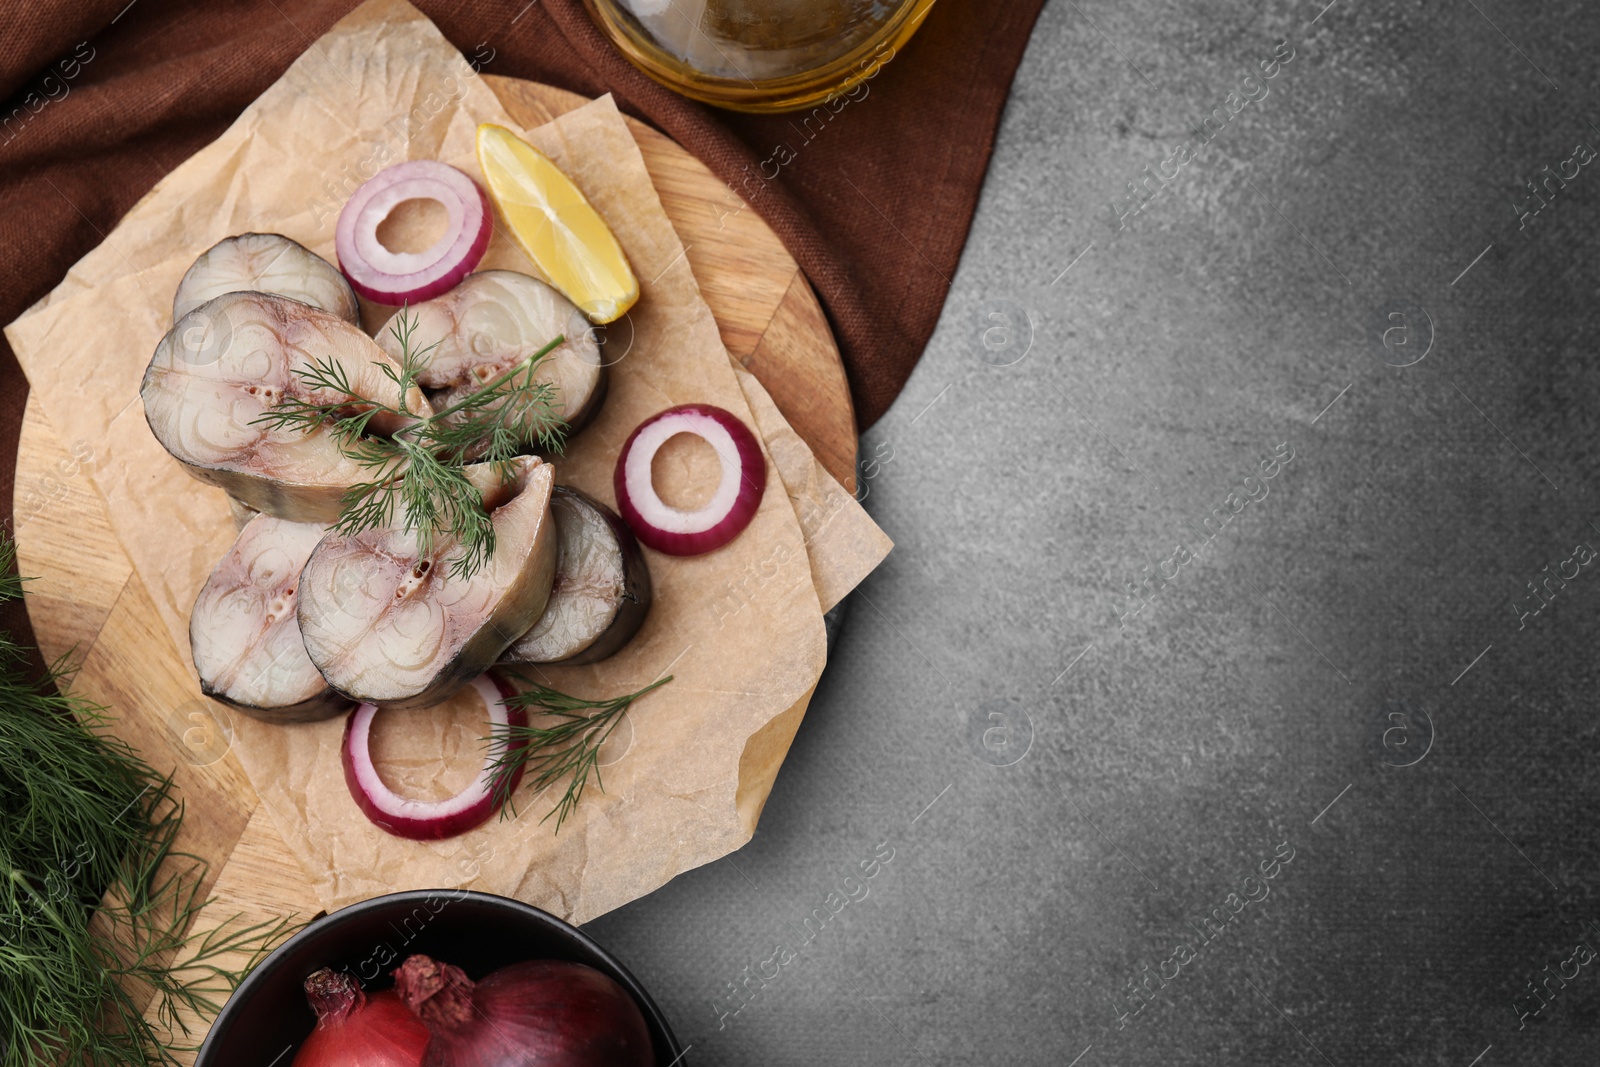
<point>759,55</point>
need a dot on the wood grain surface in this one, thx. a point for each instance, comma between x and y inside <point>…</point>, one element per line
<point>85,600</point>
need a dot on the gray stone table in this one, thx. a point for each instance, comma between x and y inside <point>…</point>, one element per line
<point>1230,694</point>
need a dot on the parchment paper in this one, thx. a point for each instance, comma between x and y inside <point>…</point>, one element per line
<point>739,629</point>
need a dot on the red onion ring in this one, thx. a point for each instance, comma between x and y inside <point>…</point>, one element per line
<point>689,533</point>
<point>429,820</point>
<point>408,277</point>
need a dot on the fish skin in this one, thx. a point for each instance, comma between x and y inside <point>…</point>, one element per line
<point>240,512</point>
<point>326,705</point>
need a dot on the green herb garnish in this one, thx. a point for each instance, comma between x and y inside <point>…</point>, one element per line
<point>419,470</point>
<point>95,904</point>
<point>568,746</point>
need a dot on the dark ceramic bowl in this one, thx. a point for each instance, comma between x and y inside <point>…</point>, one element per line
<point>267,1017</point>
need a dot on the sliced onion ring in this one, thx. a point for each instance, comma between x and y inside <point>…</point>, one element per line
<point>430,820</point>
<point>408,277</point>
<point>738,495</point>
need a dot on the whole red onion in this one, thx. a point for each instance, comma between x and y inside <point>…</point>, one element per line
<point>543,1013</point>
<point>357,1030</point>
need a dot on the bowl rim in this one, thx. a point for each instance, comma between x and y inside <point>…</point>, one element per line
<point>654,1017</point>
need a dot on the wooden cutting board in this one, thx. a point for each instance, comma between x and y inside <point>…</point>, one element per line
<point>86,600</point>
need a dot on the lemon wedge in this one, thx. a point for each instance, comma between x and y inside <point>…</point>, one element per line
<point>557,226</point>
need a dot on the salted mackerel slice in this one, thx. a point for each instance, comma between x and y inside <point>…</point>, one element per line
<point>491,322</point>
<point>601,593</point>
<point>244,633</point>
<point>266,263</point>
<point>388,624</point>
<point>226,363</point>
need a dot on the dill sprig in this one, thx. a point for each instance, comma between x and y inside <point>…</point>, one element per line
<point>95,903</point>
<point>417,473</point>
<point>568,746</point>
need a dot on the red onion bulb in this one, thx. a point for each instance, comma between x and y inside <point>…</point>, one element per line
<point>355,1029</point>
<point>544,1013</point>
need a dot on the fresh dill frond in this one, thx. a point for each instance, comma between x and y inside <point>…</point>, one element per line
<point>10,580</point>
<point>568,747</point>
<point>415,475</point>
<point>503,415</point>
<point>95,903</point>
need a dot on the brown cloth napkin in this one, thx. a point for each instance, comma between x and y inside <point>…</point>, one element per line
<point>103,97</point>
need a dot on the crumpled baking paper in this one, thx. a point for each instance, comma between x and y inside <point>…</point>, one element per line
<point>739,629</point>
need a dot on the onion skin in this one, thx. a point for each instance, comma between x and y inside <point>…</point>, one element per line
<point>355,1029</point>
<point>543,1013</point>
<point>753,477</point>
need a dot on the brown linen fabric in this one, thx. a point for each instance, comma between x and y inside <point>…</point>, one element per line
<point>873,198</point>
